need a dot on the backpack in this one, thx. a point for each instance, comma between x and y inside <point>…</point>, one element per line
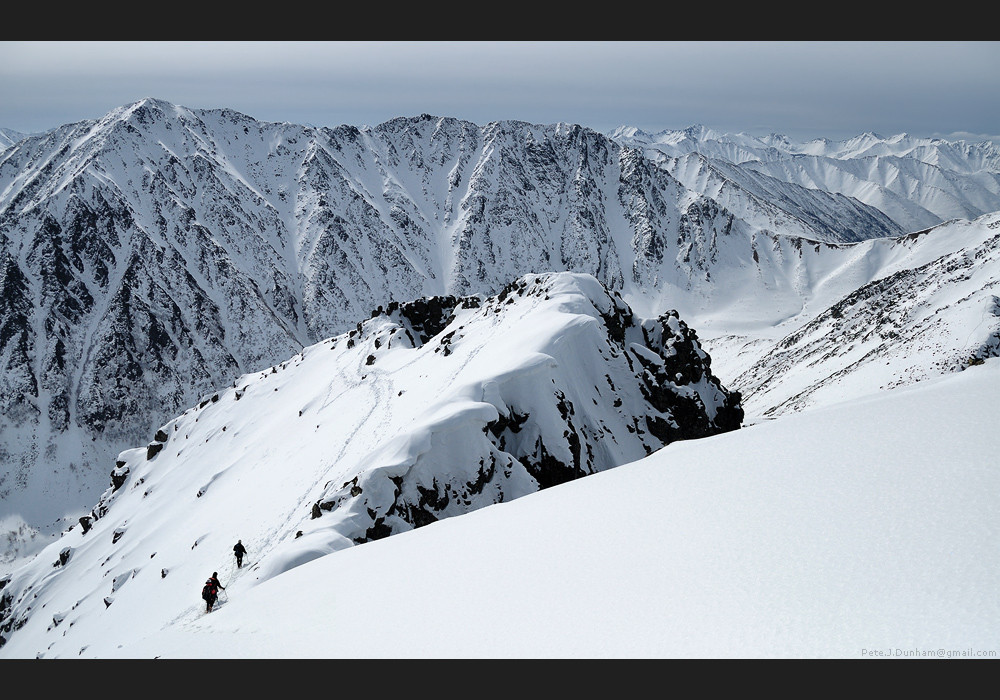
<point>208,592</point>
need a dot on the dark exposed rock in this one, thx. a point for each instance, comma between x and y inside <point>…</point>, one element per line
<point>119,475</point>
<point>547,470</point>
<point>377,531</point>
<point>680,362</point>
<point>428,316</point>
<point>504,424</point>
<point>484,476</point>
<point>6,609</point>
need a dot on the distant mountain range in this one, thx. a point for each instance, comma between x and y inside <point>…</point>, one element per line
<point>152,257</point>
<point>917,182</point>
<point>8,137</point>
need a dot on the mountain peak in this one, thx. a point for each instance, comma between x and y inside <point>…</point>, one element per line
<point>631,133</point>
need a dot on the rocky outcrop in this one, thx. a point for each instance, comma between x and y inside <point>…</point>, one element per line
<point>654,387</point>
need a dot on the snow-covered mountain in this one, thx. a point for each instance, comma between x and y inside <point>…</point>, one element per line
<point>336,335</point>
<point>427,410</point>
<point>8,137</point>
<point>155,255</point>
<point>160,252</point>
<point>916,182</point>
<point>860,317</point>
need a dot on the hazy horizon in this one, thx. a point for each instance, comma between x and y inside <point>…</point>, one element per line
<point>803,90</point>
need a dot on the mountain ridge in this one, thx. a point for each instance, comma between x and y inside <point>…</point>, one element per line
<point>149,257</point>
<point>425,411</point>
<point>918,182</point>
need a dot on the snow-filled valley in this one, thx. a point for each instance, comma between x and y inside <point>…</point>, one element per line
<point>502,391</point>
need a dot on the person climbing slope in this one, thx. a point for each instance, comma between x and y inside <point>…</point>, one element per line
<point>211,590</point>
<point>239,550</point>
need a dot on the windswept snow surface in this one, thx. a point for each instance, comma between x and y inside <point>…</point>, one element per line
<point>861,529</point>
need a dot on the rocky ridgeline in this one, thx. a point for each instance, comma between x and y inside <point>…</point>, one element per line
<point>551,433</point>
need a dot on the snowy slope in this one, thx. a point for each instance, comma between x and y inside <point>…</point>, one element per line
<point>772,205</point>
<point>826,533</point>
<point>8,137</point>
<point>870,316</point>
<point>424,412</point>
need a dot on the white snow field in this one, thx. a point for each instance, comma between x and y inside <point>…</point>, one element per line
<point>862,529</point>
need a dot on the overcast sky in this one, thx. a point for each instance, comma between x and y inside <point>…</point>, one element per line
<point>801,89</point>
